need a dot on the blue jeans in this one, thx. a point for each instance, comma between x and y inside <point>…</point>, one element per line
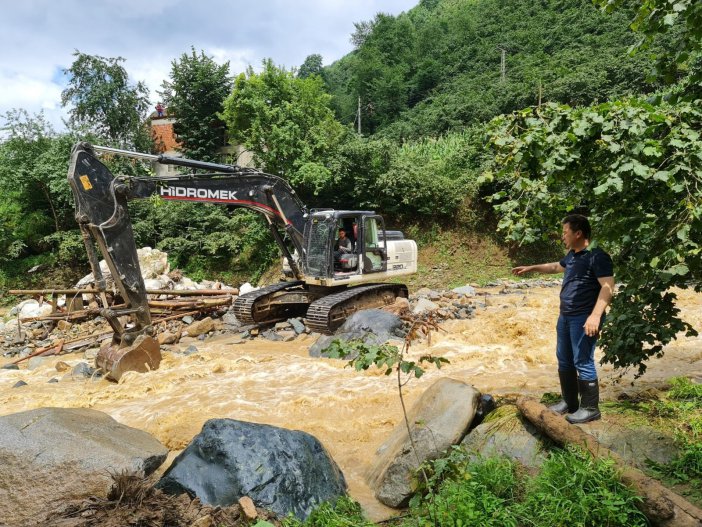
<point>574,349</point>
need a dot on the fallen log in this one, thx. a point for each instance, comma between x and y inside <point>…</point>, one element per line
<point>168,292</point>
<point>661,505</point>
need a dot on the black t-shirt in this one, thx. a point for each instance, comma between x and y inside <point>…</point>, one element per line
<point>580,286</point>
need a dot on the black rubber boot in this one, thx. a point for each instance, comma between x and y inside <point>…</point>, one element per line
<point>569,392</point>
<point>589,400</point>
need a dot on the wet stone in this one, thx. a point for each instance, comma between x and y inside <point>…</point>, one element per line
<point>188,319</point>
<point>53,380</point>
<point>35,362</point>
<point>190,350</point>
<point>82,369</point>
<point>19,384</point>
<point>271,335</point>
<point>297,325</point>
<point>10,367</point>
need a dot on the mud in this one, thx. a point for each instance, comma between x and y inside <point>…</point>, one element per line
<point>506,349</point>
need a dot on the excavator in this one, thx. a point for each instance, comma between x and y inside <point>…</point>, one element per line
<point>321,281</point>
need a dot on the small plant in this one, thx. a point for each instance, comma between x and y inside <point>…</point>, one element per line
<point>344,513</point>
<point>574,489</point>
<point>391,358</point>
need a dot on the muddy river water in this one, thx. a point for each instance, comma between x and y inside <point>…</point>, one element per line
<point>506,349</point>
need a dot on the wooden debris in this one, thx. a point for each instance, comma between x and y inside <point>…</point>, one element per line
<point>661,505</point>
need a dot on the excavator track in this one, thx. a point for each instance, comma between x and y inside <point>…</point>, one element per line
<point>327,314</point>
<point>255,307</point>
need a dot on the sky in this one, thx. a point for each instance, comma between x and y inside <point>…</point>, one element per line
<point>38,38</point>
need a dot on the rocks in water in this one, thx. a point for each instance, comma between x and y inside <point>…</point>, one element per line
<point>440,418</point>
<point>10,366</point>
<point>82,371</point>
<point>297,325</point>
<point>505,432</point>
<point>52,455</point>
<point>19,384</point>
<point>271,334</point>
<point>373,326</point>
<point>201,327</point>
<point>285,471</point>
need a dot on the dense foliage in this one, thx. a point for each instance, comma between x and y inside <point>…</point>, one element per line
<point>195,95</point>
<point>286,122</point>
<point>437,67</point>
<point>634,168</point>
<point>103,101</point>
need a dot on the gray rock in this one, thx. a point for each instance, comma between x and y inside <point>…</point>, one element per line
<point>297,325</point>
<point>281,325</point>
<point>187,319</point>
<point>286,471</point>
<point>464,290</point>
<point>373,326</point>
<point>54,455</point>
<point>53,380</point>
<point>271,335</point>
<point>10,366</point>
<point>423,305</point>
<point>26,352</point>
<point>190,350</point>
<point>230,321</point>
<point>505,432</point>
<point>82,370</point>
<point>19,384</point>
<point>35,362</point>
<point>441,417</point>
<point>636,444</point>
<point>434,295</point>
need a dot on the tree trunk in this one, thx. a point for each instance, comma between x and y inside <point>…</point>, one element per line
<point>661,506</point>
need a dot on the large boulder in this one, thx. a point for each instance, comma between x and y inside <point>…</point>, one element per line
<point>51,455</point>
<point>372,326</point>
<point>152,263</point>
<point>506,433</point>
<point>440,418</point>
<point>285,471</point>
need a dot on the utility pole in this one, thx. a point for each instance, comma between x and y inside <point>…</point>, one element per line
<point>503,64</point>
<point>359,115</point>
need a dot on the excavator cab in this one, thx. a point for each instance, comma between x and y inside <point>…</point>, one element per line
<point>366,233</point>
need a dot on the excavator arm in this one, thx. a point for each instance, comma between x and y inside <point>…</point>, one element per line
<point>103,217</point>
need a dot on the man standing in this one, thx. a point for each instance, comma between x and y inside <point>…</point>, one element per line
<point>588,285</point>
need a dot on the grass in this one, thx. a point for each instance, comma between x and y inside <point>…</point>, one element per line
<point>573,490</point>
<point>678,410</point>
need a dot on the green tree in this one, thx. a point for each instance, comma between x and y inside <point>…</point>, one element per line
<point>635,167</point>
<point>312,66</point>
<point>655,18</point>
<point>37,207</point>
<point>104,101</point>
<point>286,122</point>
<point>195,95</point>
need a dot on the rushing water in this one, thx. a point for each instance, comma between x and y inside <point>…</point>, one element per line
<point>506,349</point>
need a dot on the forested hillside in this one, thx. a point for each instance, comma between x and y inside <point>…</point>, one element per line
<point>438,66</point>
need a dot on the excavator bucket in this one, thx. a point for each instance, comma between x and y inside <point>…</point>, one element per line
<point>142,356</point>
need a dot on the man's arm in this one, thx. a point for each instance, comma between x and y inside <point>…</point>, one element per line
<point>592,324</point>
<point>545,268</point>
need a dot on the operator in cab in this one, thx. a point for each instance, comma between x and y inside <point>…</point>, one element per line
<point>343,244</point>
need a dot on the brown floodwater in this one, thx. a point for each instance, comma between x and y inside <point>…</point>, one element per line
<point>506,349</point>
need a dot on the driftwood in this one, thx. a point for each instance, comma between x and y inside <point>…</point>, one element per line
<point>661,506</point>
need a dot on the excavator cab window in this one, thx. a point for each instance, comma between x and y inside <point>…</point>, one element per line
<point>374,254</point>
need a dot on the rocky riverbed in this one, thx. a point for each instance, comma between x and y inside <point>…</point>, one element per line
<point>504,347</point>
